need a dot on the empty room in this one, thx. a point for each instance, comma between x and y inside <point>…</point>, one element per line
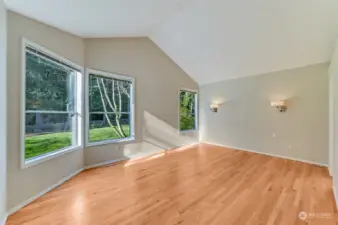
<point>168,112</point>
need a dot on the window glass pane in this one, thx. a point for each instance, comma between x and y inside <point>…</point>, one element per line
<point>108,126</point>
<point>109,108</point>
<point>187,110</point>
<point>49,86</point>
<point>187,122</point>
<point>50,105</point>
<point>107,94</point>
<point>48,132</point>
<point>187,101</point>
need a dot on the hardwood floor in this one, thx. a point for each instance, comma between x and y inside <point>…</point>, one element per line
<point>197,185</point>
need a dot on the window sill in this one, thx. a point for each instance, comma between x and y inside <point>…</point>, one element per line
<point>39,159</point>
<point>187,131</point>
<point>107,142</point>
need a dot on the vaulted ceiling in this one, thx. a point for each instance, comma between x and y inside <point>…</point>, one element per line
<point>100,18</point>
<point>211,40</point>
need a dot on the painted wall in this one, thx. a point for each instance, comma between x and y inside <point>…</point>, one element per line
<point>247,121</point>
<point>333,76</point>
<point>158,81</point>
<point>3,112</point>
<point>26,183</point>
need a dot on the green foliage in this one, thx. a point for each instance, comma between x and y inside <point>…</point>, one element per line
<point>187,122</point>
<point>42,144</point>
<point>101,134</point>
<point>187,110</point>
<point>114,88</point>
<point>111,96</point>
<point>47,84</point>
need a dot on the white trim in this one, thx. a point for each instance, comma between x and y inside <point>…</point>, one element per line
<point>331,122</point>
<point>189,90</point>
<point>50,53</point>
<point>30,200</point>
<point>111,141</point>
<point>131,113</point>
<point>110,75</point>
<point>196,110</point>
<point>108,113</point>
<point>103,163</point>
<point>50,112</point>
<point>3,219</point>
<point>268,154</point>
<point>63,180</point>
<point>79,79</point>
<point>188,131</point>
<point>335,195</point>
<point>49,156</point>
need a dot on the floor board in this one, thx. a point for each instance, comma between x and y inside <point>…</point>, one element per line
<point>196,185</point>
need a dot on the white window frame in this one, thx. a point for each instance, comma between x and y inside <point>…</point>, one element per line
<point>132,107</point>
<point>196,110</point>
<point>79,111</point>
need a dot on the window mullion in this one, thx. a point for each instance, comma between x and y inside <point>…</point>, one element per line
<point>51,112</point>
<point>107,95</point>
<point>49,84</point>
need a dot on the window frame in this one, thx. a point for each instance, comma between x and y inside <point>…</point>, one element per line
<point>196,110</point>
<point>78,106</point>
<point>132,107</point>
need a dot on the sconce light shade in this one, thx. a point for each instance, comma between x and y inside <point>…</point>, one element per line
<point>277,103</point>
<point>280,105</point>
<point>214,107</point>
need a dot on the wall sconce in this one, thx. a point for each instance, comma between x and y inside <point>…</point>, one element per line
<point>214,107</point>
<point>280,105</point>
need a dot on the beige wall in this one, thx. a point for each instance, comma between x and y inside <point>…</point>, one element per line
<point>247,121</point>
<point>158,80</point>
<point>333,75</point>
<point>3,117</point>
<point>23,184</point>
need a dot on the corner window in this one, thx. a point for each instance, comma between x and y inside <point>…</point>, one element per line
<point>188,110</point>
<point>51,104</point>
<point>110,108</point>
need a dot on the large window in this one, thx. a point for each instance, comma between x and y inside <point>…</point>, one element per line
<point>188,110</point>
<point>110,108</point>
<point>51,94</point>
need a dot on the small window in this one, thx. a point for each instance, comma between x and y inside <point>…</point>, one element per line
<point>188,110</point>
<point>51,113</point>
<point>110,108</point>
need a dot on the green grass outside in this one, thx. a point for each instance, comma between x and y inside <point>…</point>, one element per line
<point>42,144</point>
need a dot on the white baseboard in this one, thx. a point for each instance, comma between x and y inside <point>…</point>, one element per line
<point>103,163</point>
<point>268,154</point>
<point>335,196</point>
<point>3,219</point>
<point>28,201</point>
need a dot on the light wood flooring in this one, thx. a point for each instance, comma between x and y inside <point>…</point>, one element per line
<point>196,185</point>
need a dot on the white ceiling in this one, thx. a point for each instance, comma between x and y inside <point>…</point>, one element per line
<point>100,18</point>
<point>211,40</point>
<point>222,39</point>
